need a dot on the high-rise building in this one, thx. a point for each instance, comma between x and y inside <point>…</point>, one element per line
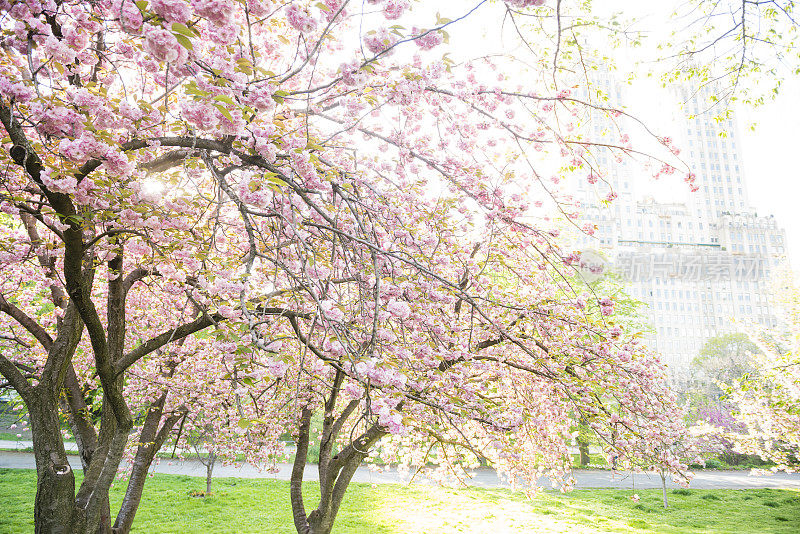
<point>701,264</point>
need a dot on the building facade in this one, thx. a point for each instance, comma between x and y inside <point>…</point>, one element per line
<point>702,264</point>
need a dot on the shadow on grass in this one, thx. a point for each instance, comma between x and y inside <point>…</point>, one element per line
<point>235,505</point>
<point>240,506</point>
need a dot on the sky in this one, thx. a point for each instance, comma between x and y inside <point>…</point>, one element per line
<point>773,178</point>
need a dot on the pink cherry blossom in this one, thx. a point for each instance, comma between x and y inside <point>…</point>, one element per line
<point>300,19</point>
<point>164,46</point>
<point>172,10</point>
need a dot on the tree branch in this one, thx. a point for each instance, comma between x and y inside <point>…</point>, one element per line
<point>14,377</point>
<point>173,334</point>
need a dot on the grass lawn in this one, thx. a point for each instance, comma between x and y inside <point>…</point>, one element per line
<point>244,505</point>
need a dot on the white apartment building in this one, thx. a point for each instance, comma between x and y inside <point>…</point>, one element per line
<point>701,264</point>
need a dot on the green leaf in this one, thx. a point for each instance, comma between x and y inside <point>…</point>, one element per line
<point>244,423</point>
<point>184,41</point>
<point>226,99</point>
<point>273,179</point>
<point>182,29</point>
<point>244,65</point>
<point>225,113</point>
<point>278,96</point>
<point>192,89</point>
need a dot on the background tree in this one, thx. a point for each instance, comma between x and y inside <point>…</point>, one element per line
<point>716,426</point>
<point>723,360</point>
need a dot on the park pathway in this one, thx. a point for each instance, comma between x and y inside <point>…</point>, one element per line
<point>486,478</point>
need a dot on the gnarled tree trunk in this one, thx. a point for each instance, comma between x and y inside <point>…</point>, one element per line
<point>54,509</point>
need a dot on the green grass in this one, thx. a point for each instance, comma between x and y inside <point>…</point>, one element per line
<point>244,506</point>
<point>12,436</point>
<point>595,460</point>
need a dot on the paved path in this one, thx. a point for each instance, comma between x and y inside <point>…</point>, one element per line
<point>487,478</point>
<point>28,444</point>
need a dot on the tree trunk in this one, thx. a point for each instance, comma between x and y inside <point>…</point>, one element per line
<point>296,481</point>
<point>150,443</point>
<point>338,473</point>
<point>664,488</point>
<point>133,493</point>
<point>54,508</point>
<point>321,520</point>
<point>583,449</point>
<point>212,458</point>
<point>80,421</point>
<point>92,496</point>
<point>335,471</point>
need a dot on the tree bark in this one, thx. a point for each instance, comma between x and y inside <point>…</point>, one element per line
<point>664,488</point>
<point>296,481</point>
<point>54,508</point>
<point>335,471</point>
<point>340,472</point>
<point>583,449</point>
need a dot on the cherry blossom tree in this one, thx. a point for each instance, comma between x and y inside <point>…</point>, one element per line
<point>238,214</point>
<point>665,453</point>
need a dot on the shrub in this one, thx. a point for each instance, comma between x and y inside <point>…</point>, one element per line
<point>715,463</point>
